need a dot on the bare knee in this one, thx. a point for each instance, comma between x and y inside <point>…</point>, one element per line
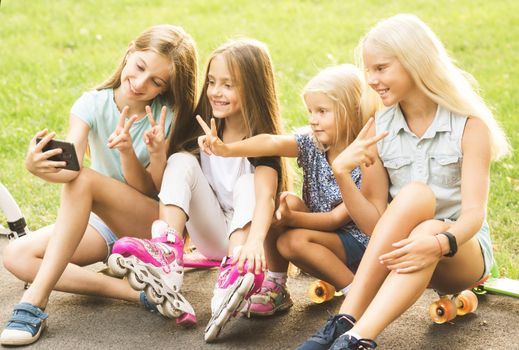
<point>82,183</point>
<point>290,244</point>
<point>15,257</point>
<point>429,227</point>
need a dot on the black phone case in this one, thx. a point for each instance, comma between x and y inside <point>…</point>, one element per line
<point>69,153</point>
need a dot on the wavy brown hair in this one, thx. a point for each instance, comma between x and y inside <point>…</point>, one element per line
<point>252,73</point>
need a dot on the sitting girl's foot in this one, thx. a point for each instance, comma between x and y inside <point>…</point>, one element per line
<point>25,326</point>
<point>325,337</point>
<point>272,297</point>
<point>346,341</point>
<point>231,292</point>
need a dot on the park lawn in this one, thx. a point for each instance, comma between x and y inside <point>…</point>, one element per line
<point>53,51</point>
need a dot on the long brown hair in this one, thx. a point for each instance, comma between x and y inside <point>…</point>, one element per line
<point>252,72</point>
<point>179,47</point>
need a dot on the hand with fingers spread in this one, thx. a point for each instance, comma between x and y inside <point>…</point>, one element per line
<point>412,254</point>
<point>253,253</point>
<point>282,215</point>
<point>155,137</point>
<point>37,161</point>
<point>360,151</point>
<point>120,138</point>
<point>210,143</point>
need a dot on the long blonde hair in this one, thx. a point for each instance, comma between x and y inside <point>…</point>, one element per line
<point>179,47</point>
<point>252,73</point>
<point>418,49</point>
<point>352,101</point>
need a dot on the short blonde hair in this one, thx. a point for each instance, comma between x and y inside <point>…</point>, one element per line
<point>421,53</point>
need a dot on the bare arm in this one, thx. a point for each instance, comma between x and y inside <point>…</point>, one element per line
<point>262,145</point>
<point>475,179</point>
<point>366,205</point>
<point>37,161</point>
<point>134,172</point>
<point>265,185</point>
<point>329,221</point>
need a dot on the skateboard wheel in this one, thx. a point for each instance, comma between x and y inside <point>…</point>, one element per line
<point>320,291</point>
<point>466,302</point>
<point>442,310</point>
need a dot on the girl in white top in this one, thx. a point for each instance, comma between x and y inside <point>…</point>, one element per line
<point>227,204</point>
<point>128,150</point>
<point>435,162</point>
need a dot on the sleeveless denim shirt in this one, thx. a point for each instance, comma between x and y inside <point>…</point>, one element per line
<point>434,159</point>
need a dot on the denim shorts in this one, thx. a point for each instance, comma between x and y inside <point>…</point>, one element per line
<point>353,248</point>
<point>483,237</point>
<point>105,232</point>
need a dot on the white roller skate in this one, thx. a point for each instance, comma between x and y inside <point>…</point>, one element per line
<point>155,266</point>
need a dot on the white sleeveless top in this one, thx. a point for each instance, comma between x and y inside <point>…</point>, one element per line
<point>434,159</point>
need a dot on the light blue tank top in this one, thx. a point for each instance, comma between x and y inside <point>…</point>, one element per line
<point>98,109</point>
<point>434,159</point>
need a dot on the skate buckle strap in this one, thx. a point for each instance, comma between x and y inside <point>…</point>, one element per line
<point>171,235</point>
<point>224,260</point>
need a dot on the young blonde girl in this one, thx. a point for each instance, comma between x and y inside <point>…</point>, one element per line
<point>116,196</point>
<point>226,204</point>
<point>437,155</point>
<point>316,233</point>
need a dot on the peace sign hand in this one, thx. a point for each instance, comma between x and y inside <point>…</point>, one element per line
<point>283,214</point>
<point>155,137</point>
<point>210,143</point>
<point>360,151</point>
<point>120,138</point>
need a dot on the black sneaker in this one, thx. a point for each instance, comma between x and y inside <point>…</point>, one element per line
<point>347,342</point>
<point>324,338</point>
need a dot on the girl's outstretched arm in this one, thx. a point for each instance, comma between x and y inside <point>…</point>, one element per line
<point>37,161</point>
<point>262,145</point>
<point>265,186</point>
<point>366,205</point>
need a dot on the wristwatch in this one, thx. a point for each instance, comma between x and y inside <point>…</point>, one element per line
<point>453,244</point>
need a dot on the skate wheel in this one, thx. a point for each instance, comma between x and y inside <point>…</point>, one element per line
<point>467,302</point>
<point>135,282</point>
<point>152,296</point>
<point>170,311</point>
<point>442,310</point>
<point>115,265</point>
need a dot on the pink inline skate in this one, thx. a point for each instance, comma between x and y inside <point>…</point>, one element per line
<point>232,291</point>
<point>155,266</point>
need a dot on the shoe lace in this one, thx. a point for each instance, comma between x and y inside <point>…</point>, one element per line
<point>361,344</point>
<point>327,332</point>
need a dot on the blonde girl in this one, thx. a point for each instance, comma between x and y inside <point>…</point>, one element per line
<point>226,204</point>
<point>317,233</point>
<point>441,140</point>
<point>120,123</point>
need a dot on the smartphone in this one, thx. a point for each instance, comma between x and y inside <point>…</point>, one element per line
<point>68,155</point>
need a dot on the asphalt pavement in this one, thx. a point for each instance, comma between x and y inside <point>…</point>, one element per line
<point>81,322</point>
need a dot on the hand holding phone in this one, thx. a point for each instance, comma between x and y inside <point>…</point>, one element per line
<point>68,154</point>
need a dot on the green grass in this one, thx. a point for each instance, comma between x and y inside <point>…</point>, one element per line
<point>53,51</point>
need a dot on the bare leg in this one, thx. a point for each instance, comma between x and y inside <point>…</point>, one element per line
<point>23,258</point>
<point>275,261</point>
<point>130,217</point>
<point>314,252</point>
<point>414,204</point>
